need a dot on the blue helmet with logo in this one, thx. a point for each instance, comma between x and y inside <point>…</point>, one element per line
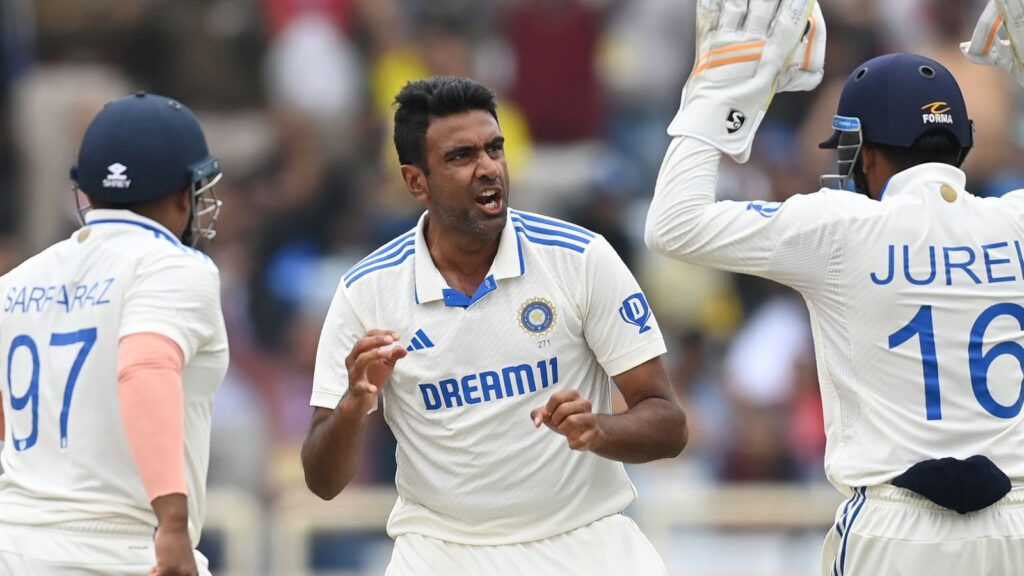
<point>143,147</point>
<point>894,100</point>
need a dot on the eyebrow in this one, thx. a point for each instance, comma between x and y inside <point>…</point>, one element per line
<point>496,141</point>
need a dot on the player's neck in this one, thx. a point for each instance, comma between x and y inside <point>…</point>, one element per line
<point>462,260</point>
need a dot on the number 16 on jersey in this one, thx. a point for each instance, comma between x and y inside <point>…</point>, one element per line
<point>922,326</point>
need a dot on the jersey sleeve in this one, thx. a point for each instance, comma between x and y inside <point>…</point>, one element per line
<point>617,321</point>
<point>342,328</point>
<point>789,242</point>
<point>177,296</point>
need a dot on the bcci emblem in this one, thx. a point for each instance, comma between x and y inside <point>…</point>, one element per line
<point>537,316</point>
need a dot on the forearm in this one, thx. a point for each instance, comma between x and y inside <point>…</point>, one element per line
<point>171,512</point>
<point>152,403</point>
<point>685,187</point>
<point>652,429</point>
<point>333,450</point>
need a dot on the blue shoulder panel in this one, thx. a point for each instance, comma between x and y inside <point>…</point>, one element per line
<point>551,232</point>
<point>390,255</point>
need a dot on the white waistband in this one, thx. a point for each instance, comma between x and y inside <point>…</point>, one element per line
<point>94,527</point>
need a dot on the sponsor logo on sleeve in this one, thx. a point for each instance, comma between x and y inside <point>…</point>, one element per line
<point>636,311</point>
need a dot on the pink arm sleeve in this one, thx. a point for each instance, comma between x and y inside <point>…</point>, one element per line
<point>153,410</point>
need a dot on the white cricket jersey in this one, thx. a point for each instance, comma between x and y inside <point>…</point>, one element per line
<point>64,311</point>
<point>558,311</point>
<point>916,305</point>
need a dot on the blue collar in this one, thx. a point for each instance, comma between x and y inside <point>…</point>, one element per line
<point>509,262</point>
<point>454,298</point>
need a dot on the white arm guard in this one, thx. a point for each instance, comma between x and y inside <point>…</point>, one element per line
<point>990,48</point>
<point>748,50</point>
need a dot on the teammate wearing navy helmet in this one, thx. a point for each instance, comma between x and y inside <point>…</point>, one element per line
<point>112,344</point>
<point>914,286</point>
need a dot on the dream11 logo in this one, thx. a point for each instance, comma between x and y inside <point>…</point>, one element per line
<point>636,311</point>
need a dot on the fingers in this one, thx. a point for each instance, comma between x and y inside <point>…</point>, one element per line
<point>759,16</point>
<point>543,415</point>
<point>1012,12</point>
<point>571,416</point>
<point>787,28</point>
<point>813,58</point>
<point>584,440</point>
<point>733,13</point>
<point>708,12</point>
<point>573,425</point>
<point>392,355</point>
<point>567,409</point>
<point>985,33</point>
<point>362,363</point>
<point>373,340</point>
<point>539,416</point>
<point>559,398</point>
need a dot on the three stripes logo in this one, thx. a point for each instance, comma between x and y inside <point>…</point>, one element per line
<point>419,341</point>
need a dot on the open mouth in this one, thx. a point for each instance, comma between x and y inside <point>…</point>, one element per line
<point>491,201</point>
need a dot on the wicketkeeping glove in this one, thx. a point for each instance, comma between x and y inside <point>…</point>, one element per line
<point>748,50</point>
<point>989,47</point>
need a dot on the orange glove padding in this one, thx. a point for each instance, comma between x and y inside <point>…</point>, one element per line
<point>152,401</point>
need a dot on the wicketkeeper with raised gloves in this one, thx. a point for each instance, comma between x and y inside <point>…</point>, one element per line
<point>915,286</point>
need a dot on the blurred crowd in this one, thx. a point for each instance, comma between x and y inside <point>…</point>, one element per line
<point>296,96</point>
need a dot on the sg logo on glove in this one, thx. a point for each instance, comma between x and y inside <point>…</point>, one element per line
<point>735,121</point>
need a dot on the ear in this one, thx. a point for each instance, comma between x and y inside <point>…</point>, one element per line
<point>869,157</point>
<point>416,182</point>
<point>183,200</point>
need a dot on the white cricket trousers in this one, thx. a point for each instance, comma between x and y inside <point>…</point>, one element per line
<point>890,531</point>
<point>86,549</point>
<point>611,546</point>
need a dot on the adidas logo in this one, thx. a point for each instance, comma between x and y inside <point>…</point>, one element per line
<point>420,341</point>
<point>117,177</point>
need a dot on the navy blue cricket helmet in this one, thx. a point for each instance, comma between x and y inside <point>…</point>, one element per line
<point>895,100</point>
<point>140,148</point>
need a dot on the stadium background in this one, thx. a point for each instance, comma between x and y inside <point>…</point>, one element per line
<point>295,97</point>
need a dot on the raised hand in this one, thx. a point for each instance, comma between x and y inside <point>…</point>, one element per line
<point>370,364</point>
<point>746,51</point>
<point>999,38</point>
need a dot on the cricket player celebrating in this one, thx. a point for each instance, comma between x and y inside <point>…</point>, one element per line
<point>915,287</point>
<point>491,335</point>
<point>112,344</point>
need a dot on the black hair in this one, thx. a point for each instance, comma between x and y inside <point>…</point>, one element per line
<point>421,101</point>
<point>939,147</point>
